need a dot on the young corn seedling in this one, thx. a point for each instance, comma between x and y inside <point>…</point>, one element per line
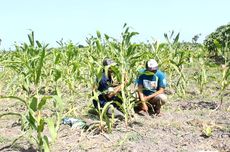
<point>225,82</point>
<point>201,77</point>
<point>225,68</point>
<point>93,76</point>
<point>126,56</point>
<point>175,60</point>
<point>30,60</point>
<point>207,131</point>
<point>178,65</point>
<point>33,120</point>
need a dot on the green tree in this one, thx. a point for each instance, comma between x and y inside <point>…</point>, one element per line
<point>217,39</point>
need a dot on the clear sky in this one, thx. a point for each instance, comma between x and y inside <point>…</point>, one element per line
<point>74,20</point>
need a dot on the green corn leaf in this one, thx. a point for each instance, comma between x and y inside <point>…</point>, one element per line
<point>119,105</point>
<point>10,113</point>
<point>25,87</point>
<point>135,57</point>
<point>34,104</point>
<point>104,109</point>
<point>126,31</point>
<point>133,34</point>
<point>45,46</point>
<point>106,37</point>
<point>176,38</point>
<point>76,66</point>
<point>172,33</point>
<point>57,74</point>
<point>31,38</point>
<point>99,46</point>
<point>57,58</point>
<point>40,66</point>
<point>166,37</point>
<point>19,137</point>
<point>43,102</point>
<point>99,73</point>
<point>58,102</point>
<point>31,119</point>
<point>39,44</point>
<point>124,25</point>
<point>130,50</point>
<point>46,144</point>
<point>14,97</point>
<point>24,122</point>
<point>175,67</point>
<point>52,130</point>
<point>41,125</point>
<point>99,34</point>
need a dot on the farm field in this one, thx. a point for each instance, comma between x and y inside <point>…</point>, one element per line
<point>40,86</point>
<point>179,129</point>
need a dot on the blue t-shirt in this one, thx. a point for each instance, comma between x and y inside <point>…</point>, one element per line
<point>152,82</point>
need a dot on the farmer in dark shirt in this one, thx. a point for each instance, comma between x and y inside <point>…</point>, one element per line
<point>108,90</point>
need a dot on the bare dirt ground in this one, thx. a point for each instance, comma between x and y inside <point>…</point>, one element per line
<point>179,129</point>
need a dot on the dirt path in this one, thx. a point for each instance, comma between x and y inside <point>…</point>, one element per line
<point>179,129</point>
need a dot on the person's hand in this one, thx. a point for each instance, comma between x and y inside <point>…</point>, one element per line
<point>144,107</point>
<point>144,99</point>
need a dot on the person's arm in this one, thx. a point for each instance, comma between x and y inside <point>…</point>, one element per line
<point>142,98</point>
<point>117,89</point>
<point>140,93</point>
<point>160,91</point>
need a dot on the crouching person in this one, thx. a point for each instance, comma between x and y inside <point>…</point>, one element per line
<point>109,91</point>
<point>151,86</point>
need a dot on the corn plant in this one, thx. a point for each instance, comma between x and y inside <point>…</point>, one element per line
<point>29,63</point>
<point>28,60</point>
<point>33,119</point>
<point>201,77</point>
<point>95,72</point>
<point>207,131</point>
<point>91,69</point>
<point>176,59</point>
<point>225,82</point>
<point>128,58</point>
<point>126,55</point>
<point>225,69</point>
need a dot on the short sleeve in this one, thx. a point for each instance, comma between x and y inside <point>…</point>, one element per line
<point>140,80</point>
<point>162,80</point>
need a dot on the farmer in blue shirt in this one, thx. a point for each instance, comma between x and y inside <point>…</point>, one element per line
<point>108,90</point>
<point>151,86</point>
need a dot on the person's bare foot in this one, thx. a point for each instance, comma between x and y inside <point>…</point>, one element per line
<point>142,113</point>
<point>159,114</point>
